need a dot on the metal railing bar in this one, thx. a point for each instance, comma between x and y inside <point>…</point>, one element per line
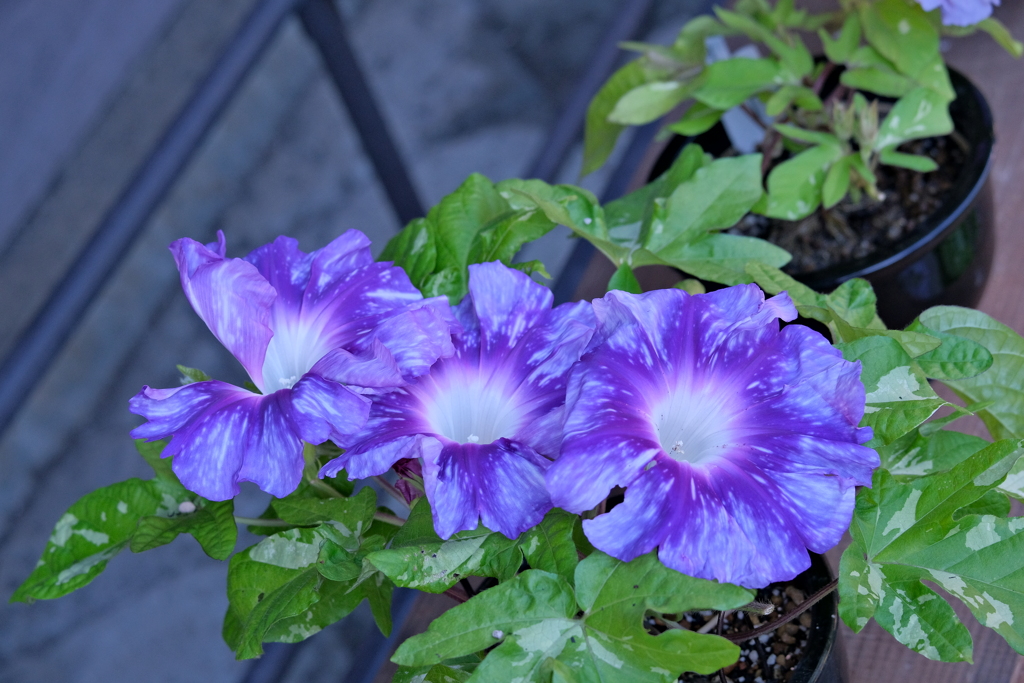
<point>325,27</point>
<point>565,133</point>
<point>54,323</point>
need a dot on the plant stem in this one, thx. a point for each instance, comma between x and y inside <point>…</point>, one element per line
<point>252,521</point>
<point>391,490</point>
<point>754,117</point>
<point>769,627</point>
<point>455,595</point>
<point>324,487</point>
<point>388,518</point>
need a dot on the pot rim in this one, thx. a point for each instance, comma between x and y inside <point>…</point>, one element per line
<point>933,229</point>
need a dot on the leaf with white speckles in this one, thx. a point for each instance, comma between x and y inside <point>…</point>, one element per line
<point>927,528</point>
<point>1000,383</point>
<point>899,397</point>
<point>418,558</point>
<point>549,545</point>
<point>92,531</point>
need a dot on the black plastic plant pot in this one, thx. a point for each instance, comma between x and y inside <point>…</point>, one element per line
<point>946,259</point>
<point>822,661</point>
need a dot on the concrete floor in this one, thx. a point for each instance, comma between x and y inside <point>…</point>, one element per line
<point>86,87</point>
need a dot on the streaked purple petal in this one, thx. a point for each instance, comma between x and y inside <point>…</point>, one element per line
<point>738,444</point>
<point>321,409</point>
<point>418,335</point>
<point>273,454</point>
<point>232,298</point>
<point>376,459</point>
<point>375,369</point>
<point>639,523</point>
<point>499,484</point>
<point>506,302</point>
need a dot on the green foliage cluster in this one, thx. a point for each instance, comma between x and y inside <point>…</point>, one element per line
<point>825,142</point>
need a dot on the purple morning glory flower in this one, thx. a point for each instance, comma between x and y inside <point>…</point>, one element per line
<point>961,12</point>
<point>737,443</point>
<point>487,421</point>
<point>315,332</point>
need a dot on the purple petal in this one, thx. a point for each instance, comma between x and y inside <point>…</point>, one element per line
<point>273,455</point>
<point>418,336</point>
<point>738,443</point>
<point>506,302</point>
<point>232,298</point>
<point>375,369</point>
<point>638,524</point>
<point>961,12</point>
<point>499,484</point>
<point>321,409</point>
<point>376,459</point>
<point>209,425</point>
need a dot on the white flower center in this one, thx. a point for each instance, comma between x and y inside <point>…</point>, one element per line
<point>467,409</point>
<point>693,426</point>
<point>294,349</point>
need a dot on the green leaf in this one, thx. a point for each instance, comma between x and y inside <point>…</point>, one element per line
<point>922,530</point>
<point>631,210</point>
<point>809,303</point>
<point>419,558</point>
<point>793,54</point>
<point>501,241</point>
<point>808,136</point>
<point>993,503</point>
<point>350,517</point>
<point>1002,35</point>
<point>878,80</point>
<point>855,302</point>
<point>697,119</point>
<point>838,50</point>
<point>549,545</point>
<point>439,673</point>
<point>717,196</point>
<point>150,452</point>
<point>533,619</point>
<point>601,134</point>
<point>794,186</point>
<point>531,267</point>
<point>802,96</point>
<point>295,570</point>
<point>956,358</point>
<point>722,258</point>
<point>624,280</point>
<point>918,455</point>
<point>647,102</point>
<point>1001,383</point>
<point>414,249</point>
<point>899,397</point>
<point>921,113</point>
<point>291,598</point>
<point>730,82</point>
<point>902,32</point>
<point>914,162</point>
<point>190,375</point>
<point>213,525</point>
<point>837,182</point>
<point>93,530</point>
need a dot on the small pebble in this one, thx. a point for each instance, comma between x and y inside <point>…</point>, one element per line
<point>795,594</point>
<point>497,634</point>
<point>186,507</point>
<point>805,619</point>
